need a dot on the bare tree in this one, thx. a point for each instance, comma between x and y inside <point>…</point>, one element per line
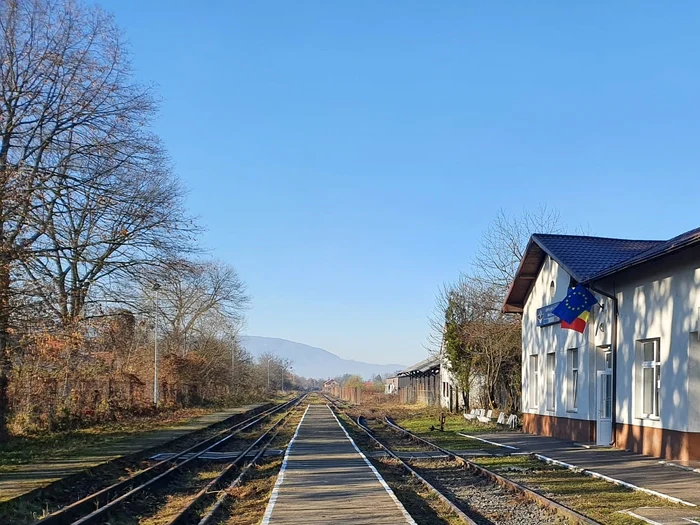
<point>503,244</point>
<point>124,223</point>
<point>468,328</point>
<point>195,298</point>
<point>66,96</point>
<point>273,370</point>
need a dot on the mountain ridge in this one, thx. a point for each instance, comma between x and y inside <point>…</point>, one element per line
<point>314,362</point>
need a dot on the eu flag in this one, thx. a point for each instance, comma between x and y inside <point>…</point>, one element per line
<point>577,301</point>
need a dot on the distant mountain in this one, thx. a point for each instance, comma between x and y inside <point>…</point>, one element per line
<point>312,362</point>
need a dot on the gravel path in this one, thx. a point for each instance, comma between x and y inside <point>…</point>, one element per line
<point>483,501</point>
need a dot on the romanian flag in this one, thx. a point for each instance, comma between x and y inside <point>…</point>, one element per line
<point>579,324</point>
<point>575,308</point>
<point>576,302</point>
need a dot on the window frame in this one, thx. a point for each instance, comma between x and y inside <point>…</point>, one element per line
<point>533,382</point>
<point>572,376</point>
<point>550,381</point>
<point>655,365</point>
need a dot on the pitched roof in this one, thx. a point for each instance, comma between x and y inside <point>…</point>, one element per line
<point>422,366</point>
<point>587,258</point>
<point>679,242</point>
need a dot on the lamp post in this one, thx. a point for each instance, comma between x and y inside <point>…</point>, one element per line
<point>156,287</point>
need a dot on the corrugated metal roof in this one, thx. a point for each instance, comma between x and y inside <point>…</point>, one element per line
<point>422,366</point>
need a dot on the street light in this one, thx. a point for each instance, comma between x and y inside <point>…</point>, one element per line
<point>156,287</point>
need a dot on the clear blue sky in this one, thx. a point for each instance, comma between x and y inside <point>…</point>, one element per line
<point>346,156</point>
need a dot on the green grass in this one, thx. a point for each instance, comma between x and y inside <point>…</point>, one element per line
<point>420,422</point>
<point>595,498</point>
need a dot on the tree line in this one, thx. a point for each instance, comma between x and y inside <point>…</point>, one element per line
<point>95,241</point>
<point>481,344</point>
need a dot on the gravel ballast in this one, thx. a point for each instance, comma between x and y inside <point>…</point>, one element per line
<point>485,502</point>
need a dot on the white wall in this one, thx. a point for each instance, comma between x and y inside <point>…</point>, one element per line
<point>541,340</point>
<point>657,300</point>
<point>661,300</point>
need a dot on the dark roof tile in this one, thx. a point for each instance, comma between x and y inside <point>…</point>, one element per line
<point>659,249</point>
<point>586,257</point>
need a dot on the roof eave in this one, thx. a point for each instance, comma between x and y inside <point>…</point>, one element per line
<point>508,305</point>
<point>514,306</point>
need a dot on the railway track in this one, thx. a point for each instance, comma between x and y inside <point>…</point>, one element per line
<point>100,505</point>
<point>475,494</point>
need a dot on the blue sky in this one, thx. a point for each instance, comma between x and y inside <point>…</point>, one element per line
<point>346,156</point>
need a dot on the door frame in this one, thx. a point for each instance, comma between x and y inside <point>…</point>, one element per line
<point>607,421</point>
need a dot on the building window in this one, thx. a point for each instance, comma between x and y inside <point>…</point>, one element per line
<point>650,377</point>
<point>550,380</point>
<point>534,375</point>
<point>572,379</point>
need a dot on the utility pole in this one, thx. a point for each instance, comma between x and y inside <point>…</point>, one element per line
<point>268,373</point>
<point>156,287</point>
<point>233,369</point>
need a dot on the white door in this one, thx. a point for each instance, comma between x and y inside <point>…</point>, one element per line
<point>604,427</point>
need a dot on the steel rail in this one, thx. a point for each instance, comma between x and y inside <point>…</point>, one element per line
<point>506,483</point>
<point>456,510</point>
<point>90,518</point>
<point>64,515</point>
<point>223,494</point>
<point>187,513</point>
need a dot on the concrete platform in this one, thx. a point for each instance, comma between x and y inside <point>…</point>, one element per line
<point>642,471</point>
<point>666,516</point>
<point>27,477</point>
<point>326,479</point>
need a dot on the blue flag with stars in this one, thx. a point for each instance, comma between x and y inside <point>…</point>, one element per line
<point>577,301</point>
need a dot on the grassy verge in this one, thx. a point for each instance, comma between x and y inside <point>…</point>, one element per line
<point>21,450</point>
<point>95,441</point>
<point>248,501</point>
<point>420,420</point>
<point>597,499</point>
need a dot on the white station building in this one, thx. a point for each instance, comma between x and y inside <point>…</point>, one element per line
<point>632,378</point>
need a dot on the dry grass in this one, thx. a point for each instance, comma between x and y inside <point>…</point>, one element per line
<point>25,449</point>
<point>595,498</point>
<point>422,504</point>
<point>598,499</point>
<point>249,500</point>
